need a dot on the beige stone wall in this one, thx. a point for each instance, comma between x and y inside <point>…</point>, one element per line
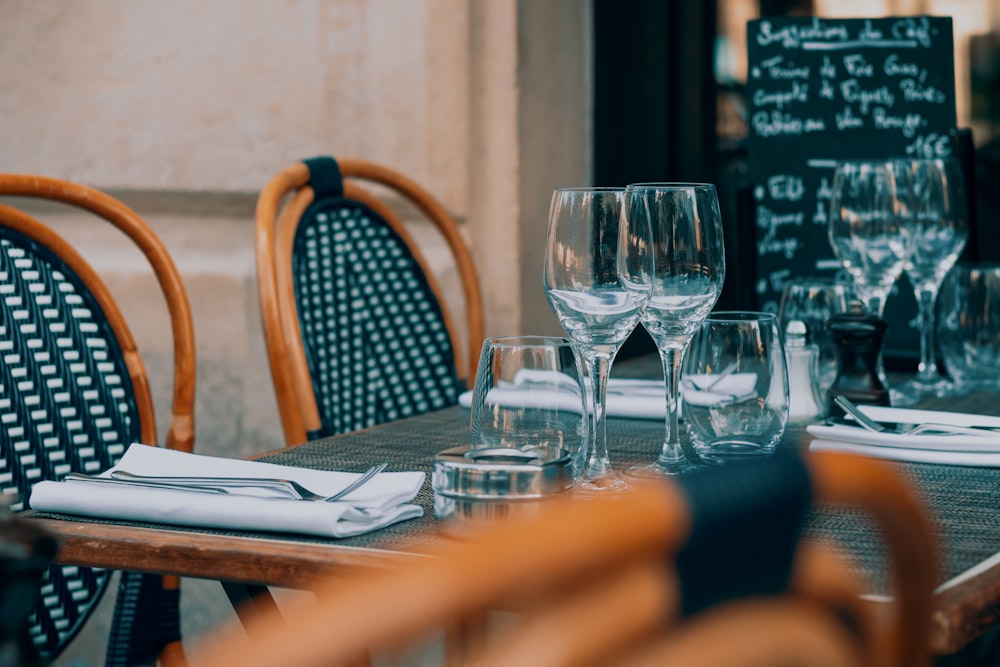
<point>186,108</point>
<point>195,95</point>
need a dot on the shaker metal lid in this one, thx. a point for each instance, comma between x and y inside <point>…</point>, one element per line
<point>501,472</point>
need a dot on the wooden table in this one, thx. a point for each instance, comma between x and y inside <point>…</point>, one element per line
<point>962,501</point>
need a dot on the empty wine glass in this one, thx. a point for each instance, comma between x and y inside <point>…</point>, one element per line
<point>596,278</point>
<point>867,234</point>
<point>934,193</point>
<point>689,268</point>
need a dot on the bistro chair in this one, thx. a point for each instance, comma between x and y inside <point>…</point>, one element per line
<point>705,569</point>
<point>356,327</point>
<point>74,393</point>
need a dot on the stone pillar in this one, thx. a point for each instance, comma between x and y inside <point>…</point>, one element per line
<point>531,129</point>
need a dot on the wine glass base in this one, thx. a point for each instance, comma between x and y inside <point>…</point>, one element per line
<point>660,469</point>
<point>610,483</point>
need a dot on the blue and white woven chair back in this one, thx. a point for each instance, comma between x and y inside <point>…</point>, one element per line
<point>66,404</point>
<point>373,330</point>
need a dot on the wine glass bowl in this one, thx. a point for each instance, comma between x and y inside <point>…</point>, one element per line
<point>596,277</point>
<point>867,232</point>
<point>688,271</point>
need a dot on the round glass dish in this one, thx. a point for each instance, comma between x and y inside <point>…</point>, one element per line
<point>474,485</point>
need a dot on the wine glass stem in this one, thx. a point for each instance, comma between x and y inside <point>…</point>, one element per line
<point>671,357</point>
<point>598,360</point>
<point>927,368</point>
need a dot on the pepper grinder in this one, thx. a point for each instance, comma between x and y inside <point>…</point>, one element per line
<point>859,345</point>
<point>801,357</point>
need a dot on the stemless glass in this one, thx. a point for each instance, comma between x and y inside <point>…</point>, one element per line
<point>736,386</point>
<point>935,195</point>
<point>596,277</point>
<point>969,326</point>
<point>529,394</point>
<point>689,268</point>
<point>867,234</point>
<point>813,301</point>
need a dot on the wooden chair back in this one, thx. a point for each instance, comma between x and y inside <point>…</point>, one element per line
<point>616,581</point>
<point>75,393</point>
<point>334,364</point>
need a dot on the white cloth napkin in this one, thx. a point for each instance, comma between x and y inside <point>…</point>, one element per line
<point>939,448</point>
<point>975,459</point>
<point>383,500</point>
<point>628,398</point>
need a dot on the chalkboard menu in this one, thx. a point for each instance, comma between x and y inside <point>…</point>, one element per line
<point>822,90</point>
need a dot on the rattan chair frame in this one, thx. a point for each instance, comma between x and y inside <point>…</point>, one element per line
<point>280,207</point>
<point>180,432</point>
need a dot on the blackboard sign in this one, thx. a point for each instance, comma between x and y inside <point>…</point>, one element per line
<point>822,90</point>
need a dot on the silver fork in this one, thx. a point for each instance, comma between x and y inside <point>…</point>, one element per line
<point>223,484</point>
<point>868,423</point>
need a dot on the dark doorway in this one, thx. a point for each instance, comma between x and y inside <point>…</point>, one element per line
<point>654,98</point>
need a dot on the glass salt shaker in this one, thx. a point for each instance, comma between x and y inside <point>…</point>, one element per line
<point>802,358</point>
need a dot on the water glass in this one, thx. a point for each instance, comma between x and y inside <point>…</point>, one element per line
<point>813,301</point>
<point>735,386</point>
<point>529,394</point>
<point>969,326</point>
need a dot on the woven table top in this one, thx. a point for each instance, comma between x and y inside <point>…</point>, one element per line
<point>962,501</point>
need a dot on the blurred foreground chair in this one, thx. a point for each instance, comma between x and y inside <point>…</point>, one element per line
<point>707,569</point>
<point>74,393</point>
<point>357,331</point>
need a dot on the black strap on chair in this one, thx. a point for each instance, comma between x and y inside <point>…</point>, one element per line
<point>747,520</point>
<point>325,177</point>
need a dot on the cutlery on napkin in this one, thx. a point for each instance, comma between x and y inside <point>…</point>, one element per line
<point>383,500</point>
<point>927,447</point>
<point>720,389</point>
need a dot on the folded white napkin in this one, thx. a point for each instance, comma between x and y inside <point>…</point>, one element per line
<point>628,398</point>
<point>977,459</point>
<point>383,500</point>
<point>927,447</point>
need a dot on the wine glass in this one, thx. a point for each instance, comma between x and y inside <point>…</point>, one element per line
<point>689,268</point>
<point>935,196</point>
<point>596,277</point>
<point>867,232</point>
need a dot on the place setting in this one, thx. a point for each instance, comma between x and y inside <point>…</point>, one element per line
<point>888,218</point>
<point>541,406</point>
<point>157,485</point>
<point>734,381</point>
